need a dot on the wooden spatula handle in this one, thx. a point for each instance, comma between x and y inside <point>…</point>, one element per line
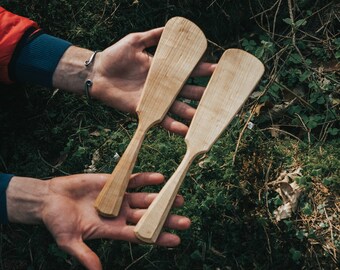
<point>149,226</point>
<point>111,196</point>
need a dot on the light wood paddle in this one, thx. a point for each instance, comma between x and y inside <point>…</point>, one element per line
<point>181,46</point>
<point>234,78</point>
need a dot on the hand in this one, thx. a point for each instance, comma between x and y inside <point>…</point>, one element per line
<point>119,73</point>
<point>121,70</point>
<point>65,206</point>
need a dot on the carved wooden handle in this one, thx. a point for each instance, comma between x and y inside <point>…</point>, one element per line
<point>150,225</point>
<point>110,198</point>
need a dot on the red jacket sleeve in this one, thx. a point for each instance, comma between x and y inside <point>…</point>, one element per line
<point>12,28</point>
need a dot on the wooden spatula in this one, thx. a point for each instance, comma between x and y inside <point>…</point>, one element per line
<point>236,75</point>
<point>181,46</point>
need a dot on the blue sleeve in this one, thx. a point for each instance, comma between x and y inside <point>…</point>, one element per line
<point>4,181</point>
<point>36,58</point>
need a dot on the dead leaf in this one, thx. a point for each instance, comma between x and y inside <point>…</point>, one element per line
<point>283,212</point>
<point>274,131</point>
<point>258,109</point>
<point>289,190</point>
<point>201,161</point>
<point>331,66</point>
<point>92,168</point>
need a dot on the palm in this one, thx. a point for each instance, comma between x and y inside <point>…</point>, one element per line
<point>127,79</point>
<point>121,71</point>
<point>71,218</point>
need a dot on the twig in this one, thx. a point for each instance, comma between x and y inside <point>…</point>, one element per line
<point>293,31</point>
<point>297,96</point>
<point>275,16</point>
<point>331,230</point>
<point>305,127</point>
<point>273,78</point>
<point>3,163</point>
<point>137,260</point>
<point>241,133</point>
<point>282,131</point>
<point>50,165</point>
<point>264,11</point>
<point>215,44</point>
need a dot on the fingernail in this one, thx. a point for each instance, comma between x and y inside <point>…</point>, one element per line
<point>149,198</point>
<point>184,222</point>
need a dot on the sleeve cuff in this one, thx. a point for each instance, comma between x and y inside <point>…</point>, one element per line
<point>37,60</point>
<point>4,181</point>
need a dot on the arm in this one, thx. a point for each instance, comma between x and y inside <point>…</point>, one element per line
<point>13,28</point>
<point>65,206</point>
<point>118,73</point>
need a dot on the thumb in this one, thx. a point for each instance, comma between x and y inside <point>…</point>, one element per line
<point>150,38</point>
<point>82,253</point>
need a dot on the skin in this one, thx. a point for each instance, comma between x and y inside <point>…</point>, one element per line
<point>65,204</point>
<point>120,85</point>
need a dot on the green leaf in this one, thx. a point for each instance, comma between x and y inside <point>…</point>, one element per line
<point>328,181</point>
<point>259,52</point>
<point>288,21</point>
<point>312,124</point>
<point>296,255</point>
<point>301,22</point>
<point>289,224</point>
<point>337,54</point>
<point>305,76</point>
<point>295,58</point>
<point>300,234</point>
<point>333,131</point>
<point>323,225</point>
<point>321,100</point>
<point>249,45</point>
<point>295,109</point>
<point>196,255</point>
<point>337,43</point>
<point>307,209</point>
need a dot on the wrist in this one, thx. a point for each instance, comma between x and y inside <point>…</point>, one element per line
<point>4,182</point>
<point>26,199</point>
<point>71,73</point>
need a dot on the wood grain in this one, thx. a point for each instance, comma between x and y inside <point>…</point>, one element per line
<point>235,77</point>
<point>181,46</point>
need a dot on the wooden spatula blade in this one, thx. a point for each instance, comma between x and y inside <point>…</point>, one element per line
<point>181,46</point>
<point>235,77</point>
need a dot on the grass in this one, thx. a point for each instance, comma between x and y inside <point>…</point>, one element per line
<point>295,115</point>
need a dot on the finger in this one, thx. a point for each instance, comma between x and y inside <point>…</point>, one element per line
<point>203,69</point>
<point>174,126</point>
<point>182,110</point>
<point>165,239</point>
<point>192,92</point>
<point>145,179</point>
<point>173,221</point>
<point>150,38</point>
<point>82,253</point>
<point>177,222</point>
<point>85,182</point>
<point>142,200</point>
